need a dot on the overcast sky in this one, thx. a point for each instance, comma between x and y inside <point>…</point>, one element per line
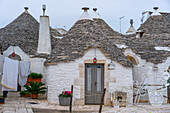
<point>66,12</point>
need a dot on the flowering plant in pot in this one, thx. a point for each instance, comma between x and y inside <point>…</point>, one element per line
<point>64,98</point>
<point>35,88</point>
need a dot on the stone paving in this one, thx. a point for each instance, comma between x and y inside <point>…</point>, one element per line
<point>16,104</point>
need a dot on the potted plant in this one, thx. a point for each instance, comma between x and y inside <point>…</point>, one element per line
<point>34,77</point>
<point>64,98</point>
<point>2,99</point>
<point>25,93</point>
<point>35,88</point>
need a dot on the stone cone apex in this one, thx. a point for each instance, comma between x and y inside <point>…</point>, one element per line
<point>131,30</point>
<point>95,15</point>
<point>155,12</point>
<point>26,9</point>
<point>44,41</point>
<point>85,15</point>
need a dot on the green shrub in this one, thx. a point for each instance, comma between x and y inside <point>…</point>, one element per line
<point>35,88</point>
<point>35,75</point>
<point>23,92</point>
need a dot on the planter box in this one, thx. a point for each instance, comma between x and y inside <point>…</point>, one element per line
<point>64,101</point>
<point>2,100</point>
<point>34,80</point>
<point>28,80</point>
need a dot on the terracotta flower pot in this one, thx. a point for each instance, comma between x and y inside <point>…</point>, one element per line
<point>34,96</point>
<point>26,95</point>
<point>28,80</point>
<point>36,80</point>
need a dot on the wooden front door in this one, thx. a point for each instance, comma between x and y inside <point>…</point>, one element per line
<point>94,83</point>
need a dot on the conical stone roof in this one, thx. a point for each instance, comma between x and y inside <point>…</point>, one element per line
<point>22,32</point>
<point>156,34</point>
<point>83,35</point>
<point>155,25</point>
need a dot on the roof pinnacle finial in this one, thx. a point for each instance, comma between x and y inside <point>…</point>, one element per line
<point>131,22</point>
<point>44,8</point>
<point>85,8</point>
<point>85,14</point>
<point>26,9</point>
<point>94,9</point>
<point>155,8</point>
<point>155,12</point>
<point>95,15</point>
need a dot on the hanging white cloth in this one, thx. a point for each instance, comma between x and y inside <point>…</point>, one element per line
<point>1,71</point>
<point>10,75</point>
<point>1,64</point>
<point>24,71</point>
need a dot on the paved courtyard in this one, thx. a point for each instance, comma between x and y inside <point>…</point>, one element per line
<point>16,104</point>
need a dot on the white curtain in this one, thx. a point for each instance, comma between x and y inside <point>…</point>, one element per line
<point>99,71</point>
<point>89,72</point>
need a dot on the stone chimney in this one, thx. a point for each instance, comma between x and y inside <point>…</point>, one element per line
<point>95,15</point>
<point>85,14</point>
<point>155,12</point>
<point>26,9</point>
<point>44,42</point>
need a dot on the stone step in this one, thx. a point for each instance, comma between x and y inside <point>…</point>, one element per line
<point>13,94</point>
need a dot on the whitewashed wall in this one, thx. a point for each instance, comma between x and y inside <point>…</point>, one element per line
<point>17,51</point>
<point>154,76</point>
<point>61,76</point>
<point>37,64</point>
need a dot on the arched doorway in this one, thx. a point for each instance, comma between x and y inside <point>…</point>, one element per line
<point>132,60</point>
<point>135,72</point>
<point>16,57</point>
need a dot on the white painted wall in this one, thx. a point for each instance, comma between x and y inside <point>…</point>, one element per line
<point>37,64</point>
<point>61,76</point>
<point>154,76</point>
<point>17,51</point>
